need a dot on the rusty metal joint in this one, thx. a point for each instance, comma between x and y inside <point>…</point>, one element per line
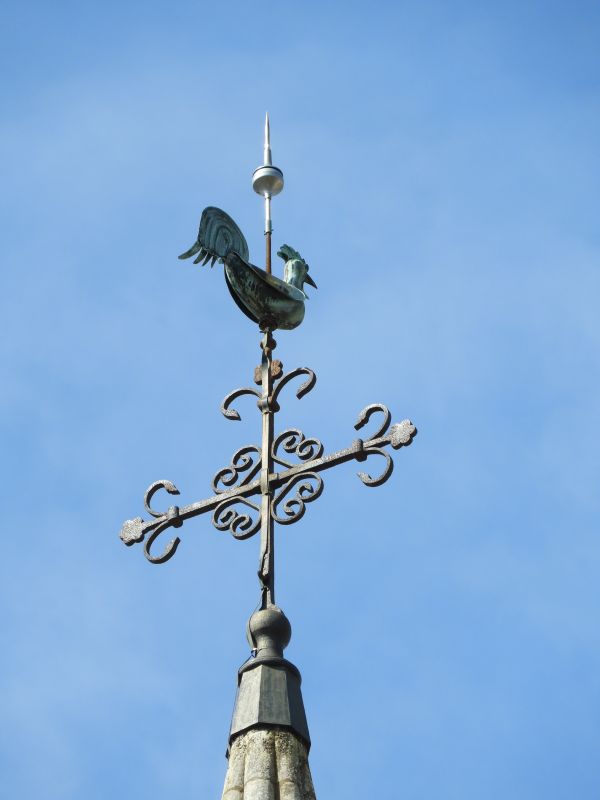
<point>358,448</point>
<point>173,516</point>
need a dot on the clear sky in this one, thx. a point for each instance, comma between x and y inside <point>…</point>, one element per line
<point>443,182</point>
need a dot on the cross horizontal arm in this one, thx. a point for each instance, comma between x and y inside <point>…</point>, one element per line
<point>358,451</point>
<point>399,435</point>
<point>135,530</point>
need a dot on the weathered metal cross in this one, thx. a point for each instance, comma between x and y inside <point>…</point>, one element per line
<point>283,492</point>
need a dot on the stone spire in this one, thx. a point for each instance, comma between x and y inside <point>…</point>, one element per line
<point>268,739</point>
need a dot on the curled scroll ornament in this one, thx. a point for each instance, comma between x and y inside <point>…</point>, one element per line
<point>152,490</point>
<point>232,413</point>
<point>308,486</point>
<point>245,460</point>
<point>171,546</point>
<point>134,530</point>
<point>387,470</point>
<point>363,419</point>
<point>241,525</point>
<point>302,390</point>
<point>293,441</point>
<point>170,519</point>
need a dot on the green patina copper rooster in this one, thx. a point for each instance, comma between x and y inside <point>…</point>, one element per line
<point>267,300</point>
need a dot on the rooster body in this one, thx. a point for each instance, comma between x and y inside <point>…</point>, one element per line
<point>269,301</point>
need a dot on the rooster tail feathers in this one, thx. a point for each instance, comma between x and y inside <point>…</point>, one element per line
<point>192,251</point>
<point>218,236</point>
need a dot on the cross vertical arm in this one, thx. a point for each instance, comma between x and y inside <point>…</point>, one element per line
<point>266,567</point>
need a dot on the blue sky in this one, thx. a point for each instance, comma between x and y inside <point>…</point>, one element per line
<point>442,179</point>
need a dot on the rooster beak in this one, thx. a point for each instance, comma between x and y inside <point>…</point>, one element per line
<point>308,279</point>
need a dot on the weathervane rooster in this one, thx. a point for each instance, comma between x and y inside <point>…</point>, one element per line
<point>269,301</point>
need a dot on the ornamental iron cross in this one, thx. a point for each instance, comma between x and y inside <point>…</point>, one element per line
<point>271,483</point>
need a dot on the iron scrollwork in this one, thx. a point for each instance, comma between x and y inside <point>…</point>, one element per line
<point>170,518</point>
<point>152,490</point>
<point>232,413</point>
<point>169,549</point>
<point>400,434</point>
<point>308,486</point>
<point>302,390</point>
<point>245,460</point>
<point>363,419</point>
<point>241,525</point>
<point>135,530</point>
<point>290,476</point>
<point>295,442</point>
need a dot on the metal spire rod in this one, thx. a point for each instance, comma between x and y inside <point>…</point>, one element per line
<point>268,182</point>
<point>268,224</point>
<point>266,566</point>
<point>267,146</point>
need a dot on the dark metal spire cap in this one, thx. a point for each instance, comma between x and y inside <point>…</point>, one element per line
<point>269,694</point>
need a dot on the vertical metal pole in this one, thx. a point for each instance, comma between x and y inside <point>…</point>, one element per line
<point>268,231</point>
<point>266,569</point>
<point>268,262</point>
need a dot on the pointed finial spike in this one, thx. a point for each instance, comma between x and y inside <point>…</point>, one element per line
<point>267,149</point>
<point>267,180</point>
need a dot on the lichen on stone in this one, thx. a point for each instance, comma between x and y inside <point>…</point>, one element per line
<point>268,764</point>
